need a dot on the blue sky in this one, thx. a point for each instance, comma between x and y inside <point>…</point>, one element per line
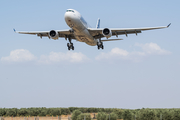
<point>140,71</point>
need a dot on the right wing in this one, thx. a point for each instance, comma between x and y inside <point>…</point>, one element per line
<point>97,32</point>
<point>62,33</point>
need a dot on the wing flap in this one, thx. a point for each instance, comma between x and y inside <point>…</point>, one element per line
<point>126,32</point>
<point>111,40</point>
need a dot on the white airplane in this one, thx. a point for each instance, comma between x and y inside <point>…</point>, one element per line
<point>80,31</point>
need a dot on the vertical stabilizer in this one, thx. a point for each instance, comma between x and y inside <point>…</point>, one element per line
<point>98,23</point>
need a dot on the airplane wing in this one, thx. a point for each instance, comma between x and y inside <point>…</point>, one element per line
<point>97,32</point>
<point>62,33</point>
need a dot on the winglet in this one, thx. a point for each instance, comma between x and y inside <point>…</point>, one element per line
<point>14,30</point>
<point>169,25</point>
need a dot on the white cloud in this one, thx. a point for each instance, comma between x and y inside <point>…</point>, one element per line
<point>57,57</point>
<point>115,52</point>
<point>136,56</point>
<point>22,55</point>
<point>148,49</point>
<point>153,48</point>
<point>19,55</point>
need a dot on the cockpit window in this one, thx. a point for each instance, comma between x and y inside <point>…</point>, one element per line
<point>70,11</point>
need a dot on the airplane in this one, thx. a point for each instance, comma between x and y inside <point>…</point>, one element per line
<point>81,31</point>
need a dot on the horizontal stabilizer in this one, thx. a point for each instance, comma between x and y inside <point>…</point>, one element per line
<point>111,40</point>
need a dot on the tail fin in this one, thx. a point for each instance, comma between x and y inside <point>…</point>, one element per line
<point>98,23</point>
<point>14,30</point>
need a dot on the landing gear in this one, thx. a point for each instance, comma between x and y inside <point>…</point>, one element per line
<point>100,44</point>
<point>70,44</point>
<point>71,31</point>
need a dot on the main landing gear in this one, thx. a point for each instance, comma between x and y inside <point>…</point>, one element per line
<point>70,44</point>
<point>100,44</point>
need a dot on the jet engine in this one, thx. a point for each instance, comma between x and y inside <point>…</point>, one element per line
<point>107,32</point>
<point>53,34</point>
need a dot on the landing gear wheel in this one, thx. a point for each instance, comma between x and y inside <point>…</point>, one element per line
<point>100,45</point>
<point>70,46</point>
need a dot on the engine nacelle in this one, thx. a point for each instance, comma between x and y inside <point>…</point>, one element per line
<point>53,34</point>
<point>107,32</point>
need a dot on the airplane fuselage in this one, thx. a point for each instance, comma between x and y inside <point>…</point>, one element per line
<point>75,21</point>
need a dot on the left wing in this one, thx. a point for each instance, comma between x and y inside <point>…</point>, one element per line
<point>62,33</point>
<point>97,32</point>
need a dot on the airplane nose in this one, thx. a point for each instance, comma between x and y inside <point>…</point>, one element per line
<point>68,16</point>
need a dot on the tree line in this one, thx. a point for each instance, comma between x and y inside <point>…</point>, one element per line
<point>103,113</point>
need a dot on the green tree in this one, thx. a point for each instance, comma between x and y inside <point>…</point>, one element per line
<point>167,114</point>
<point>147,114</point>
<point>43,112</point>
<point>119,113</point>
<point>34,111</point>
<point>102,116</point>
<point>22,112</point>
<point>75,114</point>
<point>113,116</point>
<point>127,115</point>
<point>2,111</point>
<point>72,109</point>
<point>11,112</point>
<point>83,116</point>
<point>65,111</point>
<point>54,111</point>
<point>176,115</point>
